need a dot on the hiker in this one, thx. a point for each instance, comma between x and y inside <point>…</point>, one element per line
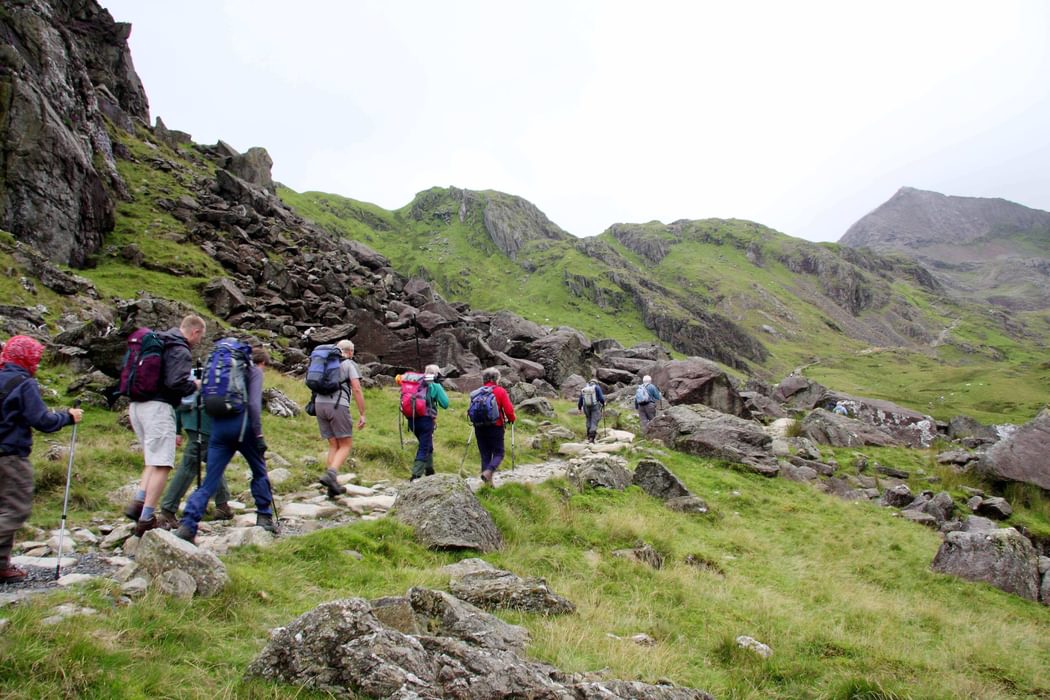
<point>154,419</point>
<point>592,404</point>
<point>21,408</point>
<point>840,408</point>
<point>490,410</point>
<point>335,421</point>
<point>646,398</point>
<point>191,417</point>
<point>236,433</point>
<point>423,423</point>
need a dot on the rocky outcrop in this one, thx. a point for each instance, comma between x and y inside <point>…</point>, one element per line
<point>1003,558</point>
<point>699,381</point>
<point>64,70</point>
<point>829,428</point>
<point>599,471</point>
<point>343,648</point>
<point>706,432</point>
<point>494,589</point>
<point>161,551</point>
<point>977,247</point>
<point>447,515</point>
<point>1022,456</point>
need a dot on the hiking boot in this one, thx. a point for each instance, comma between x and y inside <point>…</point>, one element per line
<point>144,526</point>
<point>166,520</point>
<point>133,510</point>
<point>486,476</point>
<point>185,533</point>
<point>329,481</point>
<point>265,521</point>
<point>419,467</point>
<point>12,574</point>
<point>223,512</point>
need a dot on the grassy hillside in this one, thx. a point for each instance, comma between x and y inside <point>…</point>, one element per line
<point>904,342</point>
<point>841,591</point>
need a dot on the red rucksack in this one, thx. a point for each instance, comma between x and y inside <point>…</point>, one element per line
<point>142,374</point>
<point>414,395</point>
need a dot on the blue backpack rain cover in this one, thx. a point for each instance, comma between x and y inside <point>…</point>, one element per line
<point>322,374</point>
<point>224,387</point>
<point>483,409</point>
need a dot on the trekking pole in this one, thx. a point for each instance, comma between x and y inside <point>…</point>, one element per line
<point>605,422</point>
<point>400,433</point>
<point>273,506</point>
<point>513,461</point>
<point>65,501</point>
<point>463,461</point>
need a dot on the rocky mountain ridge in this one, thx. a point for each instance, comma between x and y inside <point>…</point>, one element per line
<point>994,248</point>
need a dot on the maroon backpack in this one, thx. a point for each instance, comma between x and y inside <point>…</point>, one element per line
<point>142,374</point>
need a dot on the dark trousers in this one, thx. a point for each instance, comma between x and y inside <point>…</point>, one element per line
<point>490,445</point>
<point>16,500</point>
<point>226,439</point>
<point>192,455</point>
<point>423,428</point>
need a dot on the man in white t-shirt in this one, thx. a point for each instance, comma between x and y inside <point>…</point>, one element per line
<point>334,419</point>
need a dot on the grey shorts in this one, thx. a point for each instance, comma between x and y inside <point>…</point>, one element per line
<point>334,420</point>
<point>154,424</point>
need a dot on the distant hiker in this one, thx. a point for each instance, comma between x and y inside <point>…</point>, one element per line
<point>646,398</point>
<point>591,403</point>
<point>840,408</point>
<point>421,396</point>
<point>236,432</point>
<point>341,378</point>
<point>191,417</point>
<point>490,410</point>
<point>153,418</point>
<point>21,408</point>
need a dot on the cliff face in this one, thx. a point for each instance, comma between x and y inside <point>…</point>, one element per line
<point>991,249</point>
<point>65,68</point>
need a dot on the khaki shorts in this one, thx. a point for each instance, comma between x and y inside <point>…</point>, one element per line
<point>154,424</point>
<point>334,420</point>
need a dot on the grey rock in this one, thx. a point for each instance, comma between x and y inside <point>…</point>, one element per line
<point>918,516</point>
<point>699,381</point>
<point>657,481</point>
<point>828,428</point>
<point>1003,558</point>
<point>495,589</point>
<point>996,508</point>
<point>687,504</point>
<point>703,431</point>
<point>175,583</point>
<point>898,496</point>
<point>643,554</point>
<point>1022,456</point>
<point>446,514</point>
<point>537,407</point>
<point>975,523</point>
<point>599,471</point>
<point>160,551</point>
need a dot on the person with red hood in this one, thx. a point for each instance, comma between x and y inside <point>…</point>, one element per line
<point>21,408</point>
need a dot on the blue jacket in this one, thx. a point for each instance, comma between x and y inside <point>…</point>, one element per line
<point>24,409</point>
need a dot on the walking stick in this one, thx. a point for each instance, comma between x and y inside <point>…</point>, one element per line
<point>65,501</point>
<point>605,421</point>
<point>400,434</point>
<point>465,452</point>
<point>513,461</point>
<point>200,421</point>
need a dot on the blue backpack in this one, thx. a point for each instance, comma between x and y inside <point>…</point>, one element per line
<point>483,409</point>
<point>224,387</point>
<point>322,374</point>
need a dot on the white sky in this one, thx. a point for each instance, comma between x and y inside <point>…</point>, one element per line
<point>803,116</point>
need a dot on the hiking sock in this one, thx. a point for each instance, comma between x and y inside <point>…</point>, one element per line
<point>147,512</point>
<point>140,495</point>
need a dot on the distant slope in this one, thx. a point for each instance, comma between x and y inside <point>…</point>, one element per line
<point>735,291</point>
<point>991,249</point>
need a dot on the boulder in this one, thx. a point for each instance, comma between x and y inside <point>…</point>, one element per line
<point>175,583</point>
<point>829,428</point>
<point>599,471</point>
<point>799,393</point>
<point>446,514</point>
<point>703,431</point>
<point>1003,558</point>
<point>655,479</point>
<point>995,508</point>
<point>699,381</point>
<point>564,352</point>
<point>906,426</point>
<point>643,554</point>
<point>494,589</point>
<point>253,167</point>
<point>278,404</point>
<point>342,648</point>
<point>224,298</point>
<point>687,504</point>
<point>536,407</point>
<point>898,496</point>
<point>161,551</point>
<point>1022,456</point>
<point>961,427</point>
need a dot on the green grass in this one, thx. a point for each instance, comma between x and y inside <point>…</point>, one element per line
<point>841,591</point>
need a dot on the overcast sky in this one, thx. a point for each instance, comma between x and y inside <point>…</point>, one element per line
<point>803,116</point>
